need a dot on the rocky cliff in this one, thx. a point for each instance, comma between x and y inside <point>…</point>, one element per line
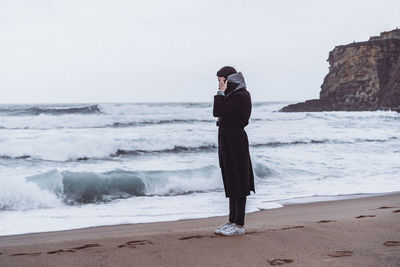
<point>362,76</point>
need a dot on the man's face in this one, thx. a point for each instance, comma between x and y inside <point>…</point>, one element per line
<point>221,81</point>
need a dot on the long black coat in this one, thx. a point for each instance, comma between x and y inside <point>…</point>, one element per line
<point>233,146</point>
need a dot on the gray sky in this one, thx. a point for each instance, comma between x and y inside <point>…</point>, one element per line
<point>157,50</point>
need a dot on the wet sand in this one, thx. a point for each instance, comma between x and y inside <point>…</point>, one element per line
<point>350,232</point>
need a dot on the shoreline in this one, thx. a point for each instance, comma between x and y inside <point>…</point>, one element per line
<point>310,234</point>
<point>282,202</point>
<point>324,198</point>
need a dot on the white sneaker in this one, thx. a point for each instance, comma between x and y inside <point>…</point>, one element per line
<point>233,230</point>
<point>222,227</point>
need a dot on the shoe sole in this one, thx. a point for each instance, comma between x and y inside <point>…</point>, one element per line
<point>219,232</point>
<point>232,234</point>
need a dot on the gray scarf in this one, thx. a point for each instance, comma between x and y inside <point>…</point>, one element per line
<point>236,78</point>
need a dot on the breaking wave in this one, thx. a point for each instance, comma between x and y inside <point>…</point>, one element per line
<point>54,187</point>
<point>71,153</point>
<point>74,188</point>
<point>29,111</point>
<point>151,122</point>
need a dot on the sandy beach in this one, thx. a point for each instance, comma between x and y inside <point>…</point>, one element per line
<point>350,232</point>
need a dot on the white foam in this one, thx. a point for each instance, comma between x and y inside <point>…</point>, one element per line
<point>133,210</point>
<point>17,194</point>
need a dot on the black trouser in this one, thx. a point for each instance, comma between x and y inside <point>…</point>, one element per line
<point>237,207</point>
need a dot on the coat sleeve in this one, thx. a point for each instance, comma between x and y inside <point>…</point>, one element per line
<point>223,107</point>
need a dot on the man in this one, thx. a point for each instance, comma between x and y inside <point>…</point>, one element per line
<point>232,106</point>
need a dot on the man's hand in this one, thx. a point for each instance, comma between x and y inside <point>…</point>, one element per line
<point>222,84</point>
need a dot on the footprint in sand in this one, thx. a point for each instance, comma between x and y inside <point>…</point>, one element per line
<point>87,246</point>
<point>326,221</point>
<point>385,207</point>
<point>28,254</point>
<point>280,261</point>
<point>209,236</point>
<point>133,244</point>
<point>340,253</point>
<point>363,216</point>
<point>292,227</point>
<point>391,243</point>
<point>60,251</point>
<point>190,237</point>
<point>73,249</point>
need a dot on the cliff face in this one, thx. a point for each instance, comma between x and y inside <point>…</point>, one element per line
<point>362,76</point>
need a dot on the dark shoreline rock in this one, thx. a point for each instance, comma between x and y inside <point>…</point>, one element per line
<point>363,76</point>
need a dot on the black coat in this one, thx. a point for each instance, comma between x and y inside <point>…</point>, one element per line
<point>234,112</point>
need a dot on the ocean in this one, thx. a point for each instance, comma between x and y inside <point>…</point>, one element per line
<point>68,166</point>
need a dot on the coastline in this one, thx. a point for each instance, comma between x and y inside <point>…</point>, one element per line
<point>304,234</point>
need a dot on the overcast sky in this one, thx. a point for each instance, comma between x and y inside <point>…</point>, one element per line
<point>157,50</point>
